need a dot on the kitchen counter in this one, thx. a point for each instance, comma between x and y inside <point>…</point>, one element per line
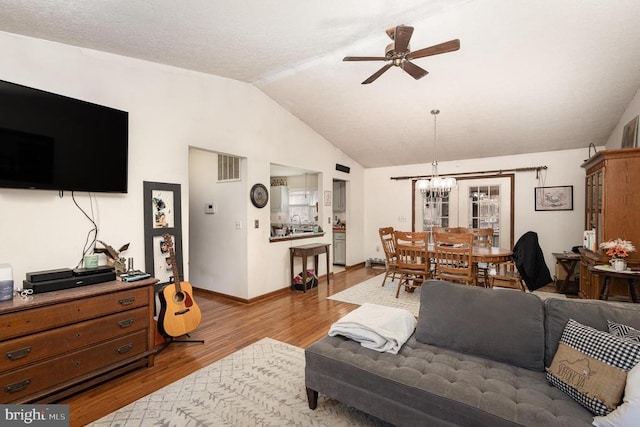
<point>296,236</point>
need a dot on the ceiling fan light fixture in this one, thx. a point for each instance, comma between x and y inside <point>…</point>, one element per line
<point>399,53</point>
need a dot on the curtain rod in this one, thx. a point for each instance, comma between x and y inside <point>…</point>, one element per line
<point>496,172</point>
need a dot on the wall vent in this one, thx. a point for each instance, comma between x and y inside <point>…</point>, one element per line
<point>342,168</point>
<point>228,168</point>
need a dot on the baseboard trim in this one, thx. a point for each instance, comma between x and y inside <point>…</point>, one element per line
<point>259,297</point>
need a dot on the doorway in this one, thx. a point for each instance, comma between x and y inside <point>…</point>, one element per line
<point>339,224</point>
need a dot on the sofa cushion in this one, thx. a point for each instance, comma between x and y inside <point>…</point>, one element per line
<point>428,385</point>
<point>627,414</point>
<point>591,366</point>
<point>500,324</point>
<point>623,331</point>
<point>592,313</point>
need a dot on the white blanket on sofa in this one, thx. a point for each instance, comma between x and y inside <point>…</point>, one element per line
<point>378,327</point>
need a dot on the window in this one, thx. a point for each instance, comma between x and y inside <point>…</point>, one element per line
<point>303,204</point>
<point>484,209</point>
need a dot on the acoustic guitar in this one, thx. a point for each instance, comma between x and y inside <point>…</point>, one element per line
<point>179,314</point>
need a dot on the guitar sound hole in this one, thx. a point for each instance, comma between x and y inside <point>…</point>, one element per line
<point>178,297</point>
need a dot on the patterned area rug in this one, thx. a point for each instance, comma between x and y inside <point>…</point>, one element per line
<point>372,292</point>
<point>260,385</point>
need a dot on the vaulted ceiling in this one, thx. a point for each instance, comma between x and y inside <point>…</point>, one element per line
<point>530,75</point>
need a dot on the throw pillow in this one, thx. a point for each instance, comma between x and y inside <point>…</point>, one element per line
<point>627,414</point>
<point>623,331</point>
<point>591,366</point>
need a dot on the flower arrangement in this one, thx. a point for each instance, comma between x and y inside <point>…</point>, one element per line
<point>618,248</point>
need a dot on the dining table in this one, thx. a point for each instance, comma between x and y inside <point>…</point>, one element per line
<point>483,254</point>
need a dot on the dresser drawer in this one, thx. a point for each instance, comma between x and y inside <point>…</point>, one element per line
<point>32,348</point>
<point>43,318</point>
<point>19,383</point>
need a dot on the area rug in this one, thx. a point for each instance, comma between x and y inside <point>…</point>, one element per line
<point>259,385</point>
<point>371,291</point>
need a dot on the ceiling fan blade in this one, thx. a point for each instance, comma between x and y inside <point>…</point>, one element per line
<point>391,32</point>
<point>402,37</point>
<point>364,58</point>
<point>445,47</point>
<point>413,70</point>
<point>377,74</point>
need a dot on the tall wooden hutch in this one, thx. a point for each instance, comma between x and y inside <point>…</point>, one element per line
<point>612,209</point>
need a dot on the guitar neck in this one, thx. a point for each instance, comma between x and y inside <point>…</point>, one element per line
<point>172,259</point>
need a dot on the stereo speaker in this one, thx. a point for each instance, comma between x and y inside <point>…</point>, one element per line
<point>69,282</point>
<point>42,276</point>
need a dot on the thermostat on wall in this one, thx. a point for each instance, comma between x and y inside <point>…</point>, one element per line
<point>210,208</point>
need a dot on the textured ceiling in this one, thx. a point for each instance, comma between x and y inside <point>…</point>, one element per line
<point>529,76</point>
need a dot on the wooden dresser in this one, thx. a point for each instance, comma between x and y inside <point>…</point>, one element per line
<point>57,343</point>
<point>612,208</point>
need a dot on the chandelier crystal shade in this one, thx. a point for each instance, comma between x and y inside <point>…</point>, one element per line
<point>436,186</point>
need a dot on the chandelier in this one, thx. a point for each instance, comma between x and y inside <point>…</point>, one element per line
<point>436,186</point>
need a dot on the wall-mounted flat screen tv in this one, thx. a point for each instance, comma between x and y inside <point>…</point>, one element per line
<point>53,142</point>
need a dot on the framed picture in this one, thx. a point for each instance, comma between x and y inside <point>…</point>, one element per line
<point>162,215</point>
<point>327,198</point>
<point>554,198</point>
<point>630,134</point>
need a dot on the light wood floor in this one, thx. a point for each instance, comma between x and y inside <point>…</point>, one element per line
<point>293,317</point>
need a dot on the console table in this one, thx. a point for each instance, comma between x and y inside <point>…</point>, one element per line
<point>57,343</point>
<point>305,251</point>
<point>568,261</point>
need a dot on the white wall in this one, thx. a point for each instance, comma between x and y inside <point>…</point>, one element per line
<point>388,202</point>
<point>170,109</point>
<point>216,243</point>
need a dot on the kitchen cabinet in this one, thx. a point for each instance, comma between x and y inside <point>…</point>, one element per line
<point>339,247</point>
<point>612,209</point>
<point>339,196</point>
<point>279,198</point>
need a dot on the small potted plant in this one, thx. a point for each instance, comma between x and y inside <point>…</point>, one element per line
<point>618,250</point>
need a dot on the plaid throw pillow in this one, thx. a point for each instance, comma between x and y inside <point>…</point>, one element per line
<point>623,331</point>
<point>591,366</point>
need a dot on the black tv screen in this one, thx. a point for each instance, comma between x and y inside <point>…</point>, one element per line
<point>53,142</point>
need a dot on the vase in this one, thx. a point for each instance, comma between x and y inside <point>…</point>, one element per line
<point>619,264</point>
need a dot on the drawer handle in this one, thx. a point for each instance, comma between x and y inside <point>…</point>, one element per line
<point>125,323</point>
<point>18,354</point>
<point>20,385</point>
<point>127,301</point>
<point>125,348</point>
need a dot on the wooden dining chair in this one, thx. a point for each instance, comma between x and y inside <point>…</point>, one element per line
<point>453,260</point>
<point>507,276</point>
<point>412,258</point>
<point>445,229</point>
<point>391,260</point>
<point>483,238</point>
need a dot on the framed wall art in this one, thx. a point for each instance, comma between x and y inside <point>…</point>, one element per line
<point>327,198</point>
<point>162,215</point>
<point>554,198</point>
<point>630,134</point>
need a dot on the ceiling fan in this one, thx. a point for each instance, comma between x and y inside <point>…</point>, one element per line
<point>398,53</point>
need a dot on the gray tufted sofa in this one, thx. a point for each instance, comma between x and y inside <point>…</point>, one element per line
<point>477,358</point>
